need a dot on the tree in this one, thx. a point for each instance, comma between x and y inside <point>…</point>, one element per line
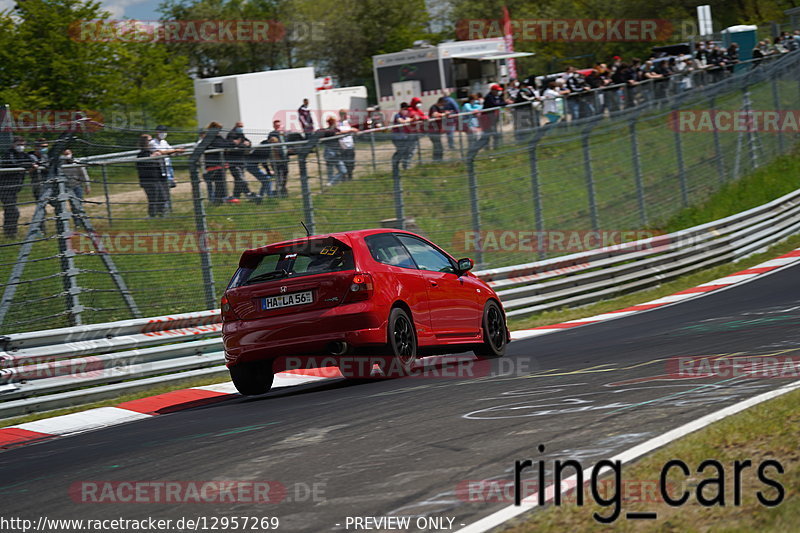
<point>54,59</point>
<point>208,58</point>
<point>352,31</point>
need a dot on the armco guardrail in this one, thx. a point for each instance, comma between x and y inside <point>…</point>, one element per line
<point>62,367</point>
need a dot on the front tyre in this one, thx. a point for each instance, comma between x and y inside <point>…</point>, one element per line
<point>494,332</point>
<point>252,378</point>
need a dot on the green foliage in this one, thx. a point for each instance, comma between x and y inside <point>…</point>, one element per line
<point>554,56</point>
<point>47,64</point>
<point>209,59</point>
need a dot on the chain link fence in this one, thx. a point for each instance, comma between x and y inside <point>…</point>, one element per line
<point>107,236</point>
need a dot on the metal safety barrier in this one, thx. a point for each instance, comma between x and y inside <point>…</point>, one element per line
<point>69,366</point>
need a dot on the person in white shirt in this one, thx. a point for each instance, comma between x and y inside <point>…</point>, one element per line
<point>159,143</point>
<point>551,95</point>
<point>347,147</point>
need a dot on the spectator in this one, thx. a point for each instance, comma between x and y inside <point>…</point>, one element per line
<point>650,73</point>
<point>523,111</point>
<point>77,177</point>
<point>450,122</point>
<point>237,160</point>
<point>418,117</point>
<point>347,144</point>
<point>551,95</point>
<point>598,79</point>
<point>305,117</point>
<point>683,68</point>
<point>11,183</point>
<point>332,153</point>
<point>401,137</point>
<point>159,142</point>
<point>435,128</point>
<point>279,158</point>
<point>578,99</point>
<point>471,125</point>
<point>151,178</point>
<point>624,75</point>
<point>39,176</point>
<point>493,101</point>
<point>215,166</point>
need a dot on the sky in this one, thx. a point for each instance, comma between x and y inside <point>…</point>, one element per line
<point>131,9</point>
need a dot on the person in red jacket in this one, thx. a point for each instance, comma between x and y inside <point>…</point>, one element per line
<point>418,118</point>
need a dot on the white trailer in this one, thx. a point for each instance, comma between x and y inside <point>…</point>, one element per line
<point>429,72</point>
<point>258,98</point>
<point>255,99</point>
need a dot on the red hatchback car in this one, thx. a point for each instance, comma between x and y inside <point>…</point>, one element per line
<point>378,291</point>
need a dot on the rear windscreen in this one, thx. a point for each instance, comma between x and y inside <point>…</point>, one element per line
<point>303,259</point>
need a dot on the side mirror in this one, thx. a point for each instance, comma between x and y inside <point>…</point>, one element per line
<point>465,265</point>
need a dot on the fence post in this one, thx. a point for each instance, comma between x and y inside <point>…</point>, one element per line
<point>200,219</point>
<point>751,135</point>
<point>65,252</point>
<point>717,145</point>
<point>537,192</point>
<point>319,168</point>
<point>474,206</point>
<point>399,206</point>
<point>587,169</point>
<point>637,171</point>
<point>472,180</point>
<point>308,201</point>
<point>372,148</point>
<point>776,101</point>
<point>105,191</point>
<point>679,155</point>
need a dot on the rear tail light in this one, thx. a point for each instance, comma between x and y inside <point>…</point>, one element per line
<point>361,287</point>
<point>227,310</point>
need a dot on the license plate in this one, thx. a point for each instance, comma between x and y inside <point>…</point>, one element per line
<point>287,300</point>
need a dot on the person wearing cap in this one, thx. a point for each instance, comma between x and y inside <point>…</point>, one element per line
<point>159,142</point>
<point>418,117</point>
<point>11,183</point>
<point>493,101</point>
<point>401,137</point>
<point>435,128</point>
<point>237,160</point>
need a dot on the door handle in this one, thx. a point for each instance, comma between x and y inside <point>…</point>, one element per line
<point>434,284</point>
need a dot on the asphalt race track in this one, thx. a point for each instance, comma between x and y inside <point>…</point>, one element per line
<point>402,446</point>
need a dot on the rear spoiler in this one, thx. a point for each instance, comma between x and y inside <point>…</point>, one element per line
<point>317,243</point>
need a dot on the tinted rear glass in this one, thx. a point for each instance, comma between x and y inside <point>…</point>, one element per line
<point>304,259</point>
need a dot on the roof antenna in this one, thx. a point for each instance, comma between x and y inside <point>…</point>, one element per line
<point>308,233</point>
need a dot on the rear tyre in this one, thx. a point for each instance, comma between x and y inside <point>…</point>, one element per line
<point>252,378</point>
<point>402,344</point>
<point>494,332</point>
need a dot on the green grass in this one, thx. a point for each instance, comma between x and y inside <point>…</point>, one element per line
<point>770,430</point>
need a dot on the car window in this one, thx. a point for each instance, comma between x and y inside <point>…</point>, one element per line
<point>426,256</point>
<point>306,258</point>
<point>385,248</point>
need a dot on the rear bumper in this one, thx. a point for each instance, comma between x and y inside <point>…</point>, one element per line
<point>307,333</point>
